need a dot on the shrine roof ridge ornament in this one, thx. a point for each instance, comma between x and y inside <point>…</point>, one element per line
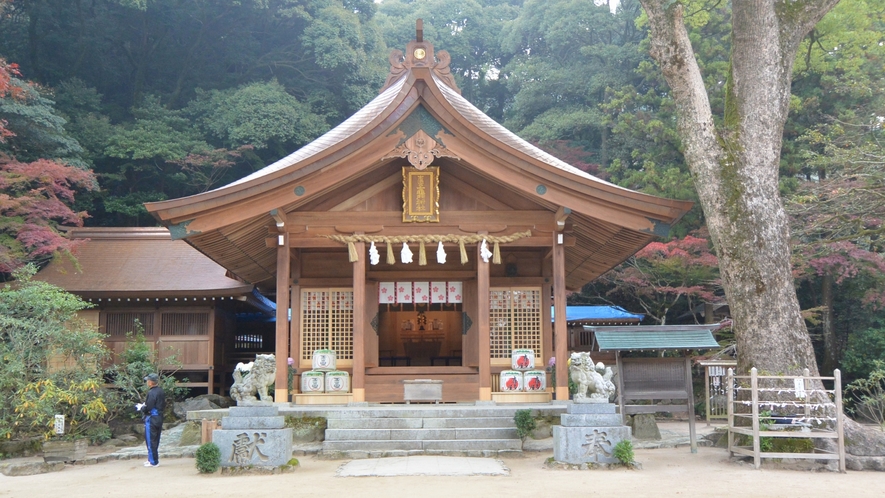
<point>420,54</point>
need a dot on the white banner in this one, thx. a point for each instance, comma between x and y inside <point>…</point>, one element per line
<point>404,292</point>
<point>386,293</point>
<point>422,292</point>
<point>438,292</point>
<point>454,294</point>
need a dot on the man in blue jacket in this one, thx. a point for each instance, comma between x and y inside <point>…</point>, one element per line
<point>152,410</point>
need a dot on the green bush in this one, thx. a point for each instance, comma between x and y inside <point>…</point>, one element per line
<point>134,363</point>
<point>98,434</point>
<point>525,423</point>
<point>866,397</point>
<point>50,361</point>
<point>624,451</point>
<point>208,458</point>
<point>863,349</point>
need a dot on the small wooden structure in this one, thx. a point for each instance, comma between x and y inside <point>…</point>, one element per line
<point>184,303</point>
<point>715,389</point>
<point>351,234</point>
<point>794,411</point>
<point>651,379</point>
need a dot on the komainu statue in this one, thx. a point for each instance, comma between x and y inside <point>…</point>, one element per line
<point>594,381</point>
<point>251,380</point>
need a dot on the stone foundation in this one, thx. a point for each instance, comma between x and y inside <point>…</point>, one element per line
<point>253,436</point>
<point>588,434</point>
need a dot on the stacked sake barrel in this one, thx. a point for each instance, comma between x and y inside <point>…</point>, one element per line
<point>523,377</point>
<point>323,377</point>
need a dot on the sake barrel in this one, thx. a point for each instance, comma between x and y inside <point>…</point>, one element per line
<point>313,382</point>
<point>324,360</point>
<point>337,382</point>
<point>511,381</point>
<point>535,380</point>
<point>522,359</point>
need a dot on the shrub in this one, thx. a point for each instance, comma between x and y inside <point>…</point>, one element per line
<point>98,434</point>
<point>208,458</point>
<point>624,451</point>
<point>525,423</point>
<point>867,396</point>
<point>863,349</point>
<point>51,360</point>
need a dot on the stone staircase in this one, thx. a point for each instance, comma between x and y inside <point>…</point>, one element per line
<point>402,430</point>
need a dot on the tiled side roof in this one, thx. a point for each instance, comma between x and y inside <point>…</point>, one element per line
<point>338,134</point>
<point>139,262</point>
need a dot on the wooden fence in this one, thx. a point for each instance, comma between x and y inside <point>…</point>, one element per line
<point>794,405</point>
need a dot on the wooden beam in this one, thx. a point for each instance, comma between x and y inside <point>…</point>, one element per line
<point>369,192</point>
<point>279,216</point>
<point>560,217</point>
<point>395,218</point>
<point>396,275</point>
<point>295,305</point>
<point>324,243</point>
<point>281,391</point>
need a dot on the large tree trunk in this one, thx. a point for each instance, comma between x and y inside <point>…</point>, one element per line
<point>735,167</point>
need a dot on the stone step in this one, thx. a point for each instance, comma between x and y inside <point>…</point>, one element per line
<point>420,434</point>
<point>404,411</point>
<point>420,423</point>
<point>427,445</point>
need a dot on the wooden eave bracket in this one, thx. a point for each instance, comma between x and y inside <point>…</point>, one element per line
<point>279,216</point>
<point>559,218</point>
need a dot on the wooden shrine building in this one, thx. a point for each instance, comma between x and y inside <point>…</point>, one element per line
<point>419,239</point>
<point>185,303</point>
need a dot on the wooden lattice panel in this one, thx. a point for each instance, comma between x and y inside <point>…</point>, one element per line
<point>341,324</point>
<point>327,322</point>
<point>514,321</point>
<point>500,324</point>
<point>184,324</point>
<point>120,323</point>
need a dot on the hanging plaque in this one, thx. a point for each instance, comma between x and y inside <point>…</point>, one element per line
<point>421,195</point>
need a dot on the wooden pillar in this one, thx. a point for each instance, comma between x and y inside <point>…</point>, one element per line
<point>281,391</point>
<point>560,330</point>
<point>482,325</point>
<point>295,306</point>
<point>359,323</point>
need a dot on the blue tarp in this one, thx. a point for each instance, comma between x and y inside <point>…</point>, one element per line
<point>577,313</point>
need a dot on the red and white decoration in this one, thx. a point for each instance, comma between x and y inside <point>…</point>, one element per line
<point>386,293</point>
<point>455,292</point>
<point>404,292</point>
<point>438,292</point>
<point>421,292</point>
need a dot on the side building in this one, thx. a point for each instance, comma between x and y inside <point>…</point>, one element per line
<point>139,279</point>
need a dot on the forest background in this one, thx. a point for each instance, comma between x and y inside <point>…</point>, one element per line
<point>107,104</point>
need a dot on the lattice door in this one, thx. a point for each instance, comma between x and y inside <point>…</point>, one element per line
<point>327,323</point>
<point>514,322</point>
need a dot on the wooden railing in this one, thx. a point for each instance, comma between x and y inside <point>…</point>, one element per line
<point>793,399</point>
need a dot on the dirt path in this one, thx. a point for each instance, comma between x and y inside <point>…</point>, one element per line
<point>666,472</point>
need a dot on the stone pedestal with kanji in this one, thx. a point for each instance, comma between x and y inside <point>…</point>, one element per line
<point>253,436</point>
<point>588,434</point>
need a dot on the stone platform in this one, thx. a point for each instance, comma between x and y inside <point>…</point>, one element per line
<point>588,434</point>
<point>253,436</point>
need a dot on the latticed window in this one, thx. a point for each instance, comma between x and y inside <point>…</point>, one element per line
<point>184,324</point>
<point>327,323</point>
<point>120,323</point>
<point>514,322</point>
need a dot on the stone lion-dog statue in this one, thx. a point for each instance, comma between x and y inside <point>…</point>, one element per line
<point>251,380</point>
<point>593,381</point>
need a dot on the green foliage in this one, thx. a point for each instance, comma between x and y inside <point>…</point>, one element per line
<point>866,396</point>
<point>98,434</point>
<point>525,423</point>
<point>865,349</point>
<point>51,360</point>
<point>623,451</point>
<point>208,458</point>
